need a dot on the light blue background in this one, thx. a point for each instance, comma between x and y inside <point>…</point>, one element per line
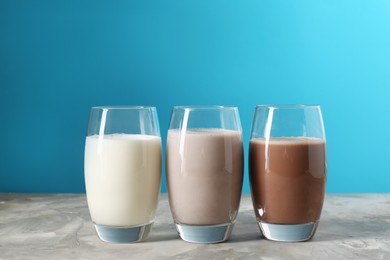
<point>58,58</point>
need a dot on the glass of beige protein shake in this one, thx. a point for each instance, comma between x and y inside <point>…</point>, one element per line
<point>204,166</point>
<point>123,171</point>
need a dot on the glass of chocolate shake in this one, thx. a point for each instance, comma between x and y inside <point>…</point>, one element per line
<point>204,166</point>
<point>287,169</point>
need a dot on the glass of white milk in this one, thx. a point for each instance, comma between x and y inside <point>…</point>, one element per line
<point>123,171</point>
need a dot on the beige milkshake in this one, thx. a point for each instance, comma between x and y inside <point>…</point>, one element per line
<point>204,175</point>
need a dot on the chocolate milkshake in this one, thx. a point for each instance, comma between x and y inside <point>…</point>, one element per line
<point>287,177</point>
<point>204,175</point>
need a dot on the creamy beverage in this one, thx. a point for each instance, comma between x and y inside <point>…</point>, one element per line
<point>122,175</point>
<point>204,175</point>
<point>288,177</point>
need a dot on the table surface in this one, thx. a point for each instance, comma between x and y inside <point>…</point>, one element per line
<point>58,226</point>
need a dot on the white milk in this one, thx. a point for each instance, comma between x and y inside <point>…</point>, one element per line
<point>122,176</point>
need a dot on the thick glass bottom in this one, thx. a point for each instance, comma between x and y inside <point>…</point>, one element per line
<point>288,233</point>
<point>131,234</point>
<point>205,234</point>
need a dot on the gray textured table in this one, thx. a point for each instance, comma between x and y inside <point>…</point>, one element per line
<point>59,227</point>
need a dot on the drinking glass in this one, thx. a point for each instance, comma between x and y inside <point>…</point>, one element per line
<point>123,171</point>
<point>204,165</point>
<point>287,170</point>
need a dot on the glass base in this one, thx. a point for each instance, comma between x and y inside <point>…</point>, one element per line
<point>205,234</point>
<point>288,233</point>
<point>123,234</point>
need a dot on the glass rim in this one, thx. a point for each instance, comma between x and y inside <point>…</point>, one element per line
<point>123,107</point>
<point>291,106</point>
<point>204,107</point>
